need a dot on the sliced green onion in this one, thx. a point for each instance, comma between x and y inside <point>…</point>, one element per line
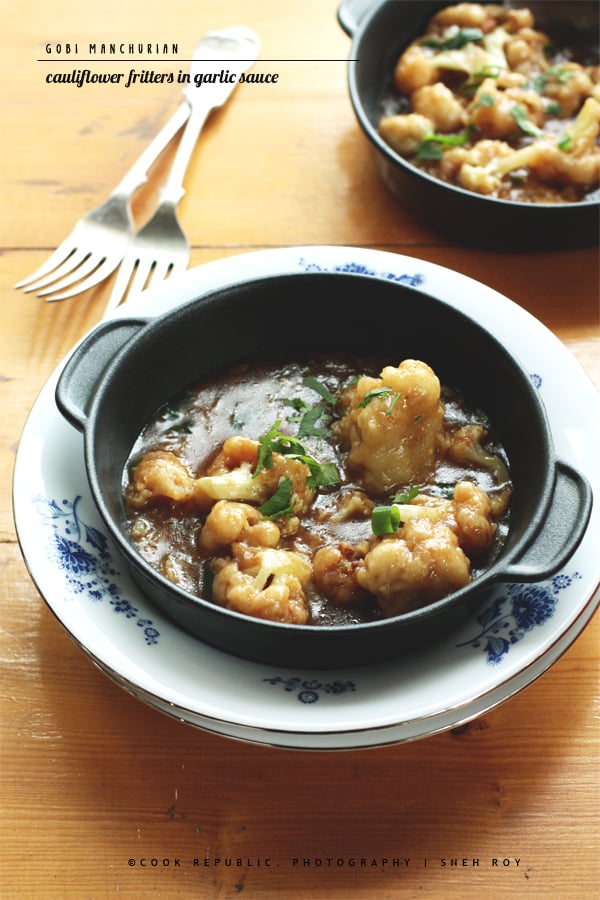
<point>565,143</point>
<point>385,520</point>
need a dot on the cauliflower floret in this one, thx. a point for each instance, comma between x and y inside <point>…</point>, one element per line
<point>394,426</point>
<point>404,133</point>
<point>414,69</point>
<point>569,85</point>
<point>465,448</point>
<point>159,475</point>
<point>472,510</point>
<point>492,111</point>
<point>418,566</point>
<point>334,570</point>
<point>552,164</point>
<point>263,583</point>
<point>352,505</point>
<point>242,451</point>
<point>525,52</point>
<point>466,15</point>
<point>573,158</point>
<point>229,522</point>
<point>469,514</point>
<point>476,166</point>
<point>438,104</point>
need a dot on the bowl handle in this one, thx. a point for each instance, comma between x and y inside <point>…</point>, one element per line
<point>351,12</point>
<point>75,388</point>
<point>561,531</point>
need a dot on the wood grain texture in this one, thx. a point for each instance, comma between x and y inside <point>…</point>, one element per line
<point>91,777</point>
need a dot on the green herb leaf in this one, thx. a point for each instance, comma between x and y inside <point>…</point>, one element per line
<point>519,114</point>
<point>484,100</point>
<point>407,496</point>
<point>378,392</point>
<point>432,145</point>
<point>274,441</point>
<point>279,505</point>
<point>308,426</point>
<point>474,81</point>
<point>456,41</point>
<point>265,448</point>
<point>321,389</point>
<point>393,402</point>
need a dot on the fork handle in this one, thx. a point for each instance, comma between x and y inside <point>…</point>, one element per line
<point>137,174</point>
<point>173,190</point>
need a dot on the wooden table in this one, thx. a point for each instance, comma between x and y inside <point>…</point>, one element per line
<point>91,777</point>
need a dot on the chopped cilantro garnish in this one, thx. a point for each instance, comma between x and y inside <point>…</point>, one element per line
<point>432,146</point>
<point>484,100</point>
<point>407,496</point>
<point>380,392</point>
<point>274,441</point>
<point>279,505</point>
<point>519,114</point>
<point>554,73</point>
<point>321,389</point>
<point>393,401</point>
<point>474,81</point>
<point>313,419</point>
<point>456,41</point>
<point>308,426</point>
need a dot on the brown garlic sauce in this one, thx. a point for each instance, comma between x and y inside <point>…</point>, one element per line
<point>247,400</point>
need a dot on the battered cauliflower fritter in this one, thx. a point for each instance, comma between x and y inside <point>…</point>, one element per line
<point>492,111</point>
<point>469,514</point>
<point>393,426</point>
<point>160,476</point>
<point>420,565</point>
<point>229,522</point>
<point>335,569</point>
<point>405,133</point>
<point>263,582</point>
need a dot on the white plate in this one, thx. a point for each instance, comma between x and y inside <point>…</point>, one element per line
<point>521,631</point>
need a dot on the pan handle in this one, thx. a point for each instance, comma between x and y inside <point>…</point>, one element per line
<point>561,532</point>
<point>351,12</point>
<point>84,368</point>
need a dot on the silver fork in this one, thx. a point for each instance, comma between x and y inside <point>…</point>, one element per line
<point>160,249</point>
<point>96,243</point>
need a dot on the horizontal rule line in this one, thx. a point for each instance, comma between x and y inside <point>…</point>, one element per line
<point>72,59</point>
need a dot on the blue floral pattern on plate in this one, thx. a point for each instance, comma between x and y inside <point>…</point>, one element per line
<point>309,690</point>
<point>81,553</point>
<point>518,611</point>
<point>355,268</point>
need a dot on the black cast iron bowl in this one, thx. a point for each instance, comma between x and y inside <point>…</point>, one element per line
<point>381,30</point>
<point>126,368</point>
